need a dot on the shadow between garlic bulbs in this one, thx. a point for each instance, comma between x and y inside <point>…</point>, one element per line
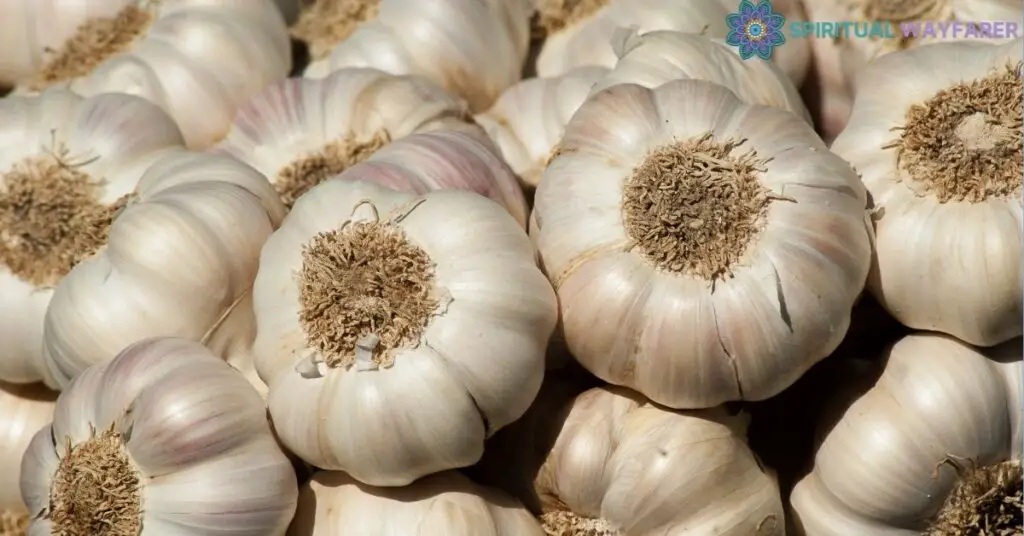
<point>442,504</point>
<point>692,267</point>
<point>887,466</point>
<point>65,164</point>
<point>196,60</point>
<point>471,48</point>
<point>398,383</point>
<point>630,468</point>
<point>165,439</point>
<point>181,257</point>
<point>936,137</point>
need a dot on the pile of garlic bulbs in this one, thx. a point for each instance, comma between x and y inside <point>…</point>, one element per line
<point>508,268</point>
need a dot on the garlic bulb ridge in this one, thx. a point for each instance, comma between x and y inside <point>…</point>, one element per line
<point>443,342</point>
<point>165,439</point>
<point>709,250</point>
<point>936,136</point>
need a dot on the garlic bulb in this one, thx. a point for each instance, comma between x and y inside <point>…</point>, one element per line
<point>65,163</point>
<point>396,332</point>
<point>623,466</point>
<point>181,256</point>
<point>442,504</point>
<point>942,420</point>
<point>876,29</point>
<point>24,410</point>
<point>529,118</point>
<point>196,60</point>
<point>936,136</point>
<point>164,440</point>
<point>471,48</point>
<point>794,58</point>
<point>710,250</point>
<point>301,131</point>
<point>580,33</point>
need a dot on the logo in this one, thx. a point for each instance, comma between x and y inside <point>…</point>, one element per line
<point>755,29</point>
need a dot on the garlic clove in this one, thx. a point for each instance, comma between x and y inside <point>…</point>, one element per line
<point>821,514</point>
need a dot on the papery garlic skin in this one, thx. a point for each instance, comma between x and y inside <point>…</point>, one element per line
<point>442,504</point>
<point>882,469</point>
<point>112,138</point>
<point>473,368</point>
<point>644,470</point>
<point>471,48</point>
<point>196,60</point>
<point>529,118</point>
<point>180,260</point>
<point>683,338</point>
<point>194,430</point>
<point>24,410</point>
<point>948,265</point>
<point>794,58</point>
<point>587,41</point>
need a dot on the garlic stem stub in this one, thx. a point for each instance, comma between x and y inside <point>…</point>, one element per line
<point>471,48</point>
<point>703,250</point>
<point>932,448</point>
<point>936,136</point>
<point>165,439</point>
<point>442,504</point>
<point>24,410</point>
<point>197,61</point>
<point>397,331</point>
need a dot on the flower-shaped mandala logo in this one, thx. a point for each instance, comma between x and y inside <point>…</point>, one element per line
<point>755,29</point>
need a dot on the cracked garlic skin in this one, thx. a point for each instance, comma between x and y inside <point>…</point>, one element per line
<point>471,48</point>
<point>839,61</point>
<point>180,259</point>
<point>65,164</point>
<point>24,410</point>
<point>448,284</point>
<point>940,410</point>
<point>197,60</point>
<point>629,467</point>
<point>712,250</point>
<point>442,504</point>
<point>179,440</point>
<point>301,132</point>
<point>936,137</point>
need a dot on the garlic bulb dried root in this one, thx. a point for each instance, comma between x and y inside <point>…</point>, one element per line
<point>442,504</point>
<point>622,466</point>
<point>165,439</point>
<point>579,33</point>
<point>876,30</point>
<point>24,410</point>
<point>301,131</point>
<point>180,259</point>
<point>197,61</point>
<point>933,447</point>
<point>68,166</point>
<point>397,331</point>
<point>936,137</point>
<point>471,48</point>
<point>703,249</point>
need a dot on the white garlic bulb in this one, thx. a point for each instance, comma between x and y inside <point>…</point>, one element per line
<point>397,331</point>
<point>794,58</point>
<point>941,411</point>
<point>164,440</point>
<point>24,410</point>
<point>196,60</point>
<point>471,48</point>
<point>301,131</point>
<point>703,249</point>
<point>936,136</point>
<point>625,466</point>
<point>876,29</point>
<point>442,504</point>
<point>580,33</point>
<point>65,163</point>
<point>529,118</point>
